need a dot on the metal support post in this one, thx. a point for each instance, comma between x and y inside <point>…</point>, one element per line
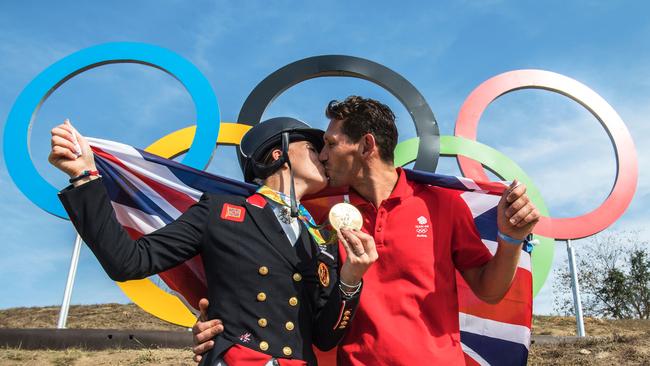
<point>577,303</point>
<point>67,295</point>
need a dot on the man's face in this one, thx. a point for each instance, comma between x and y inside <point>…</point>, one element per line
<point>340,155</point>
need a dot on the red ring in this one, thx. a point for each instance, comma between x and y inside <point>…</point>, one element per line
<point>626,173</point>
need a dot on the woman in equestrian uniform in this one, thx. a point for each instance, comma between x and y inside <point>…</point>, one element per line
<point>272,279</point>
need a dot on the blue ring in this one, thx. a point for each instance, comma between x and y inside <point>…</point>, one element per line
<point>24,111</point>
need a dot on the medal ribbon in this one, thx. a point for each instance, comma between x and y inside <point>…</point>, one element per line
<point>303,214</point>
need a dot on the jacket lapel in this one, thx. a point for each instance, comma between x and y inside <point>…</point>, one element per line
<point>268,224</point>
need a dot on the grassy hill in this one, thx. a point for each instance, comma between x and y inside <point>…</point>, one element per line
<point>612,342</point>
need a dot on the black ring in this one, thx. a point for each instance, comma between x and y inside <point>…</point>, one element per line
<point>338,65</point>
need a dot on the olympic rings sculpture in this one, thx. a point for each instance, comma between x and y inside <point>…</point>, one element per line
<point>199,141</point>
<point>626,160</point>
<point>25,109</point>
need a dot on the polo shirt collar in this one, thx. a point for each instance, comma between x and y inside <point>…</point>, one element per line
<point>401,191</point>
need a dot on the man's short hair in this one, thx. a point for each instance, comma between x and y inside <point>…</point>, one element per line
<point>364,115</point>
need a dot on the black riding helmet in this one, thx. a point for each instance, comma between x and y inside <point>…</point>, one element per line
<point>274,132</point>
<point>268,134</point>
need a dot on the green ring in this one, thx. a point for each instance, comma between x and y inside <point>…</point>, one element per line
<point>506,169</point>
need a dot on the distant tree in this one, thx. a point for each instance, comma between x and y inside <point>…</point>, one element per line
<point>613,274</point>
<point>638,285</point>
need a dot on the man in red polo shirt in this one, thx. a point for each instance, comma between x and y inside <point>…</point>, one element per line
<point>408,312</point>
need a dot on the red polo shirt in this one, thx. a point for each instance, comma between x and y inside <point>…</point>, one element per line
<point>408,314</point>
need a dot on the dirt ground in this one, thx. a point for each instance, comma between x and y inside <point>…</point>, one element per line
<point>79,357</point>
<point>105,316</point>
<point>611,342</point>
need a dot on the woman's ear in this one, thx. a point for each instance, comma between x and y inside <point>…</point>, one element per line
<point>276,154</point>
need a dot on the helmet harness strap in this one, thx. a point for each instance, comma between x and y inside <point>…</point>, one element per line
<point>292,188</point>
<point>263,170</point>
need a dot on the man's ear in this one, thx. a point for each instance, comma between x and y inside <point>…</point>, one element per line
<point>367,145</point>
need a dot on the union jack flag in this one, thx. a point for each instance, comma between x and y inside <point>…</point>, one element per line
<point>148,192</point>
<point>246,337</point>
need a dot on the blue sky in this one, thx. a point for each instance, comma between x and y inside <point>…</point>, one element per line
<point>445,48</point>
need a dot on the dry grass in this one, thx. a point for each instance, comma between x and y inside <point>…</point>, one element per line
<point>78,357</point>
<point>616,342</point>
<point>105,316</point>
<point>604,350</point>
<point>611,342</point>
<point>566,326</point>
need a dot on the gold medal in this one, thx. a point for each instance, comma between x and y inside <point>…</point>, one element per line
<point>345,216</point>
<point>323,274</point>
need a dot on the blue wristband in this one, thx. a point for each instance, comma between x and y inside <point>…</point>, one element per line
<point>528,245</point>
<point>509,239</point>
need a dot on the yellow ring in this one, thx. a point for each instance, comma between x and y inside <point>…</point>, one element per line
<point>145,293</point>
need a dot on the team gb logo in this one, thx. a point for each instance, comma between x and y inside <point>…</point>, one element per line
<point>422,228</point>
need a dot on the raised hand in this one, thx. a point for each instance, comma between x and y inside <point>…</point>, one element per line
<point>361,254</point>
<point>70,151</point>
<point>516,214</point>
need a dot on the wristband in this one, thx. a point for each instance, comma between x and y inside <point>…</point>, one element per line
<point>84,174</point>
<point>528,241</point>
<point>349,294</point>
<point>350,286</point>
<point>509,239</point>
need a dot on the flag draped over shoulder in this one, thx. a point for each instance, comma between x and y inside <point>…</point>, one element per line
<point>148,192</point>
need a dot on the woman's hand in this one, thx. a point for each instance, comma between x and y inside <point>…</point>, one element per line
<point>361,254</point>
<point>70,157</point>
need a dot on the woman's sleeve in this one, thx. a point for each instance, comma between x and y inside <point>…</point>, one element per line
<point>123,258</point>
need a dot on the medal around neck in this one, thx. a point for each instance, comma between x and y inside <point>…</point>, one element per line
<point>285,215</point>
<point>345,216</point>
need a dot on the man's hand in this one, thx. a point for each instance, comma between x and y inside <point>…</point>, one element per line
<point>516,218</point>
<point>516,214</point>
<point>361,254</point>
<point>204,330</point>
<point>70,151</point>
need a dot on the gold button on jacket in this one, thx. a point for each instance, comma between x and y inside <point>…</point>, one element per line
<point>287,351</point>
<point>293,301</point>
<point>262,322</point>
<point>264,270</point>
<point>264,346</point>
<point>261,296</point>
<point>289,326</point>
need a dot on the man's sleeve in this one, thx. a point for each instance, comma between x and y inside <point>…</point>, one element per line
<point>334,311</point>
<point>123,258</point>
<point>468,250</point>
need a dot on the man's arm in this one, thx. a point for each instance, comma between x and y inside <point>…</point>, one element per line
<point>204,331</point>
<point>516,218</point>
